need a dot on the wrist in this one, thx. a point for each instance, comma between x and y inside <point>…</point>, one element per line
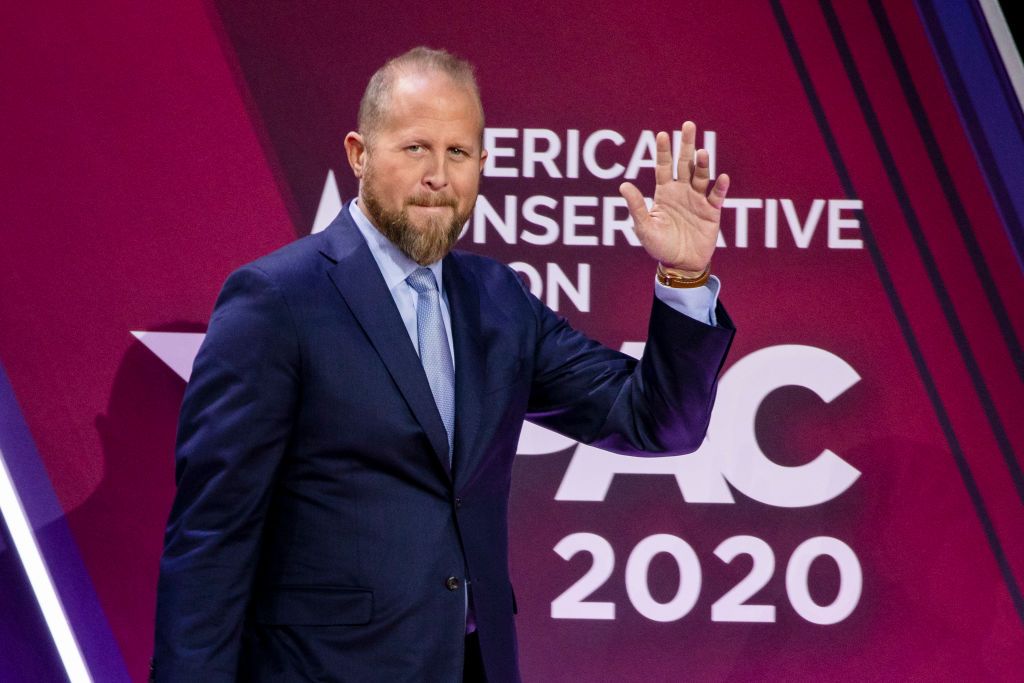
<point>679,271</point>
<point>680,278</point>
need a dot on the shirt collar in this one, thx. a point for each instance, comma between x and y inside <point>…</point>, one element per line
<point>394,265</point>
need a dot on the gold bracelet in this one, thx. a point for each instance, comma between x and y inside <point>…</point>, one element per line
<point>680,282</point>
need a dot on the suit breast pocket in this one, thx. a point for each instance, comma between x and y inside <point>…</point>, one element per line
<point>314,606</point>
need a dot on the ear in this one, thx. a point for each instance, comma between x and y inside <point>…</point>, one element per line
<point>355,150</point>
<point>483,158</point>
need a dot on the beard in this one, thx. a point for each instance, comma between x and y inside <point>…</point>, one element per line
<point>425,243</point>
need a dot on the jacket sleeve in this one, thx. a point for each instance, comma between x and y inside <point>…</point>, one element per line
<point>656,406</point>
<point>233,430</point>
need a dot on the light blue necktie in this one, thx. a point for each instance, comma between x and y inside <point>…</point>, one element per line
<point>434,352</point>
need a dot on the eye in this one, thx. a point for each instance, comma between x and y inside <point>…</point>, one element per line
<point>458,152</point>
<point>415,149</point>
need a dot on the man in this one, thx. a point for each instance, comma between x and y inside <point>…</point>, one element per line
<point>346,440</point>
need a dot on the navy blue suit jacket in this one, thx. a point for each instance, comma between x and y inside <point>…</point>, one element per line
<point>317,525</point>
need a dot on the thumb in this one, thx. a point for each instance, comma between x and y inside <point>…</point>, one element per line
<point>635,203</point>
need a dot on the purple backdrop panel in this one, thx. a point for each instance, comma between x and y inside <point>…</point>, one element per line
<point>855,510</point>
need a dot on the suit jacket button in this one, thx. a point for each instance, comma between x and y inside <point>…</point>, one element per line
<point>452,583</point>
<point>458,502</point>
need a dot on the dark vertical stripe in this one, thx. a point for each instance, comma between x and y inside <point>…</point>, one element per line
<point>956,205</point>
<point>975,129</point>
<point>233,61</point>
<point>901,316</point>
<point>924,251</point>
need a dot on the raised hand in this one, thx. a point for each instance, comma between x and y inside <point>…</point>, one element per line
<point>681,227</point>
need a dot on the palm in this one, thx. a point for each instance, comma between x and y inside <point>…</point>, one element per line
<point>681,226</point>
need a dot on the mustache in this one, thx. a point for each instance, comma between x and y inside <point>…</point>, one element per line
<point>432,200</point>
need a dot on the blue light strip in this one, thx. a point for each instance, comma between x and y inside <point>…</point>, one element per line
<point>37,522</point>
<point>987,103</point>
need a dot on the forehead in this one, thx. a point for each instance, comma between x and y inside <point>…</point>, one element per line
<point>431,103</point>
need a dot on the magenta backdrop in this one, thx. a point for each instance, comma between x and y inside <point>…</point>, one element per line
<point>151,149</point>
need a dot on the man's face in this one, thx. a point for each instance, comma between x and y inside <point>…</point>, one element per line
<point>420,170</point>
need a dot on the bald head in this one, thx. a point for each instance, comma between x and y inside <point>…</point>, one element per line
<point>373,108</point>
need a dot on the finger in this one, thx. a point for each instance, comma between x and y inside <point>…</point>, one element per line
<point>663,159</point>
<point>685,167</point>
<point>718,192</point>
<point>635,203</point>
<point>702,172</point>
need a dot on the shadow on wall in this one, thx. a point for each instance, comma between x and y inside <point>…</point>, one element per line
<point>120,527</point>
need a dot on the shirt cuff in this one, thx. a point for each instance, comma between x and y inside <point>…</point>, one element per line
<point>696,302</point>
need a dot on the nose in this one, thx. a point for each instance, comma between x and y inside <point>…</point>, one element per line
<point>435,175</point>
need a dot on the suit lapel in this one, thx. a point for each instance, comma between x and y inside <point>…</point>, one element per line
<point>464,305</point>
<point>357,278</point>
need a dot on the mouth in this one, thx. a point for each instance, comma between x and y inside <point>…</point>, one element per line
<point>432,209</point>
<point>429,202</point>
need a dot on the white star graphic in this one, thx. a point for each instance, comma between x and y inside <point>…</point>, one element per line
<point>176,349</point>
